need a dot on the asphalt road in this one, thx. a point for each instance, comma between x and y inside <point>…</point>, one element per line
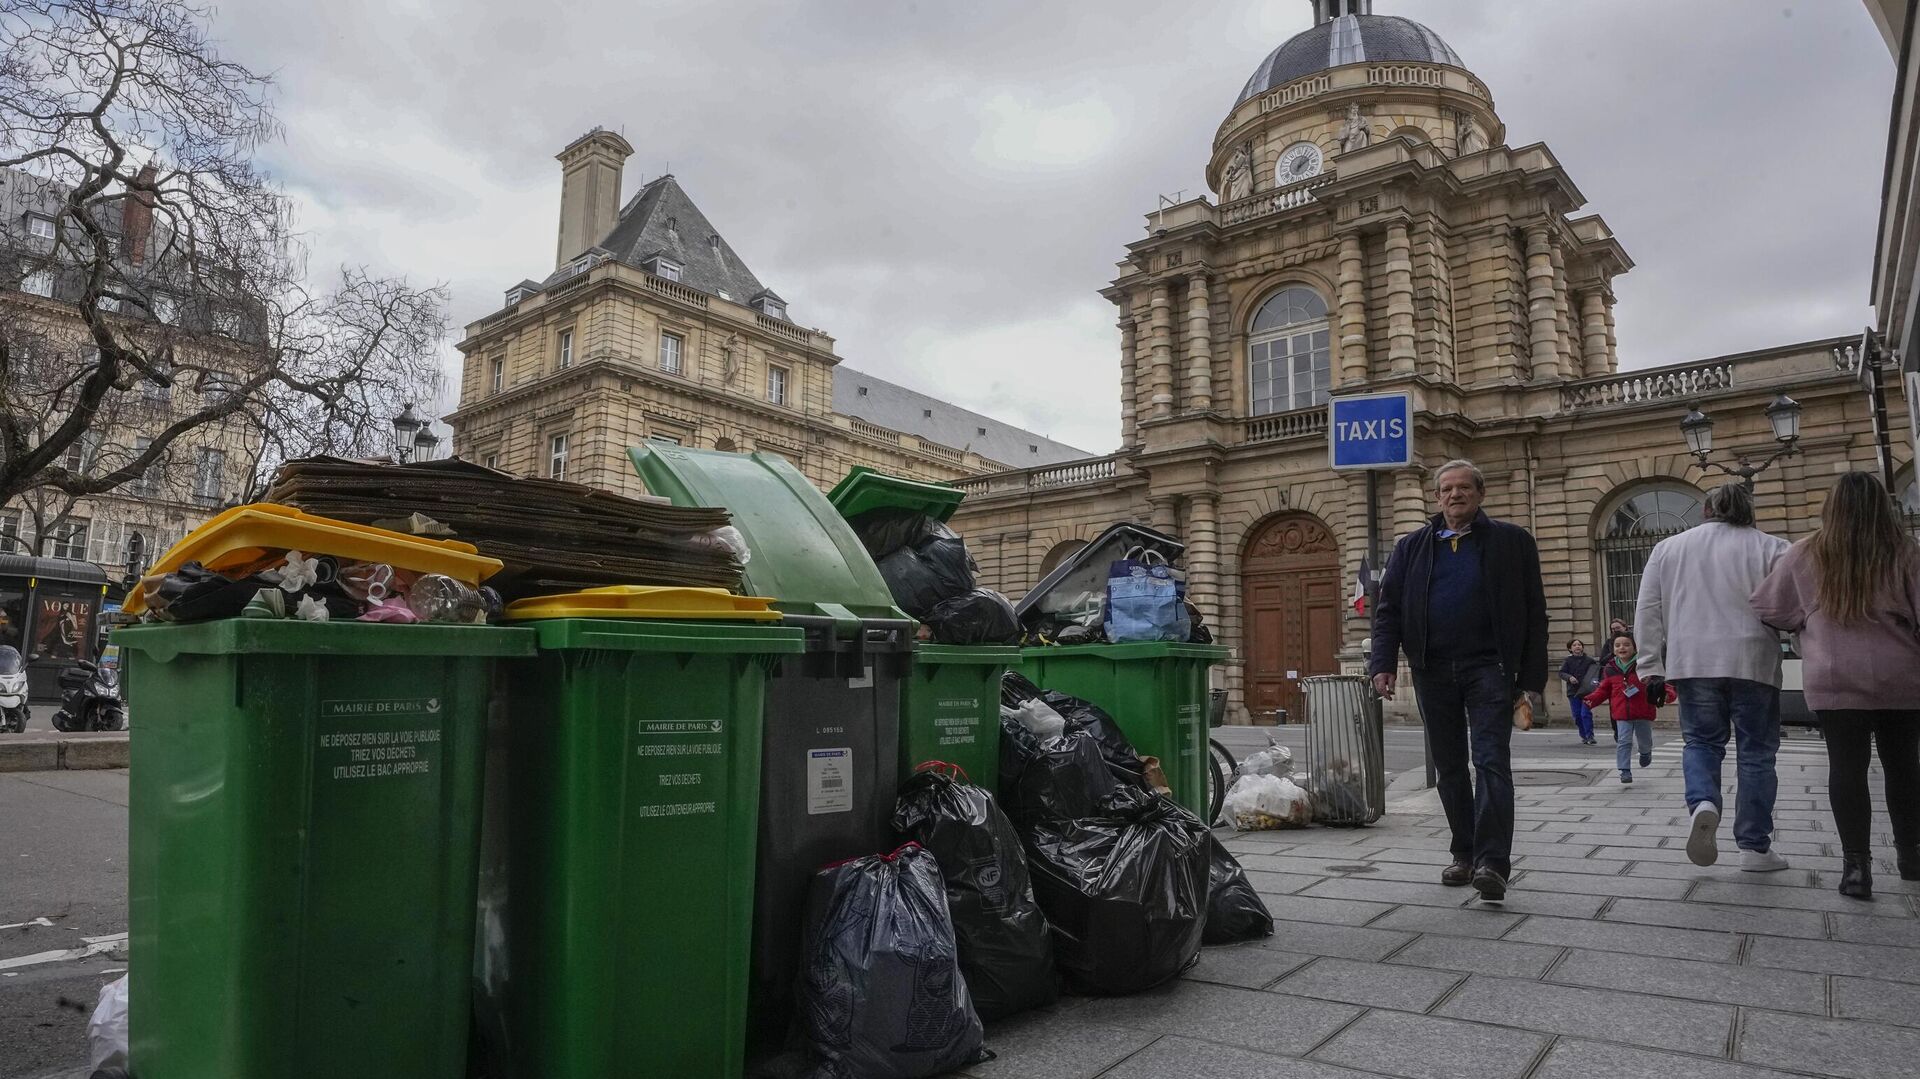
<point>63,879</point>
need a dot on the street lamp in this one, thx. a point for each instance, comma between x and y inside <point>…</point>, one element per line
<point>413,436</point>
<point>1783,413</point>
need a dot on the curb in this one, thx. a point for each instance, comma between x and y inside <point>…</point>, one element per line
<point>47,752</point>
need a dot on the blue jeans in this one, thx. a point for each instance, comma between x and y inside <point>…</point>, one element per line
<point>1710,710</point>
<point>1582,716</point>
<point>1626,732</point>
<point>1462,703</point>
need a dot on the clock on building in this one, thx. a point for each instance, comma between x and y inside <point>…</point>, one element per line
<point>1297,162</point>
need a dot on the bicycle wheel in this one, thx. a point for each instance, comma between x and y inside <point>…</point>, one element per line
<point>1219,778</point>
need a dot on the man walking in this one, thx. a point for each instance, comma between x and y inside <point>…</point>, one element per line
<point>1698,631</point>
<point>1463,596</point>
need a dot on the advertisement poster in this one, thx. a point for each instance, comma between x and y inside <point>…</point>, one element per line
<point>62,629</point>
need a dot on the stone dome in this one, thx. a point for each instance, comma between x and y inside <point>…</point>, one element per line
<point>1349,39</point>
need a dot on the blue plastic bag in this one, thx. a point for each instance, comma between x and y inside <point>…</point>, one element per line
<point>1146,600</point>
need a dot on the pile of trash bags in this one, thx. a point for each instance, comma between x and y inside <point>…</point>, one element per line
<point>1127,877</point>
<point>315,588</point>
<point>931,577</point>
<point>1267,793</point>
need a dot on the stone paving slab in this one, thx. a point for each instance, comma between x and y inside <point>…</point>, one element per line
<point>1613,958</point>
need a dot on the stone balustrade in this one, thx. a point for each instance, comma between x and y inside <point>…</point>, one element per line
<point>1071,474</point>
<point>1301,423</point>
<point>1657,384</point>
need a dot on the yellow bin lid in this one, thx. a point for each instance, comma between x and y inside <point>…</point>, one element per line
<point>647,601</point>
<point>245,534</point>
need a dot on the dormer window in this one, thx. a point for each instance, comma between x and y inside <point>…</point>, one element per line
<point>769,305</point>
<point>40,227</point>
<point>516,294</point>
<point>666,270</point>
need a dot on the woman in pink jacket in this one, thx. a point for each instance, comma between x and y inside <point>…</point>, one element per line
<point>1852,593</point>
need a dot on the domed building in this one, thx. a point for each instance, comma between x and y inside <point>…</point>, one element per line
<point>1372,229</point>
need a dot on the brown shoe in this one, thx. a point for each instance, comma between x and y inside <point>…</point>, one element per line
<point>1457,875</point>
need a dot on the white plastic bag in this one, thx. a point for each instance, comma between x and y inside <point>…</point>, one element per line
<point>1275,760</point>
<point>1043,721</point>
<point>107,1030</point>
<point>1259,803</point>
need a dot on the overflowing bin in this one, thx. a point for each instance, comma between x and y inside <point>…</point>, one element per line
<point>631,829</point>
<point>830,757</point>
<point>303,823</point>
<point>1346,749</point>
<point>1156,692</point>
<point>950,707</point>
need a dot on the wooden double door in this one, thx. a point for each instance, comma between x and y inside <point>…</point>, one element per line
<point>1292,602</point>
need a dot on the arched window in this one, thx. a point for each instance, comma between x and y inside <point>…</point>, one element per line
<point>1910,502</point>
<point>1637,520</point>
<point>1289,363</point>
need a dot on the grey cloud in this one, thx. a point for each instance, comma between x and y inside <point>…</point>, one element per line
<point>1734,146</point>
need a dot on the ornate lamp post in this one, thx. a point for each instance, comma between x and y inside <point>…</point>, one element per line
<point>1783,413</point>
<point>413,436</point>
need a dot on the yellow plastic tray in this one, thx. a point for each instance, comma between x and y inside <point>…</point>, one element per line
<point>246,534</point>
<point>647,601</point>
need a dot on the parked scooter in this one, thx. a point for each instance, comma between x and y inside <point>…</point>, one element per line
<point>90,699</point>
<point>13,691</point>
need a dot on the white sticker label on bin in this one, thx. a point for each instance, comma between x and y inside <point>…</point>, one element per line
<point>865,681</point>
<point>829,781</point>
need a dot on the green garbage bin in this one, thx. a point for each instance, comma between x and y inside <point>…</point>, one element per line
<point>633,794</point>
<point>1156,692</point>
<point>830,759</point>
<point>950,709</point>
<point>302,826</point>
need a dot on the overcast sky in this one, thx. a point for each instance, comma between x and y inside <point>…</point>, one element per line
<point>945,186</point>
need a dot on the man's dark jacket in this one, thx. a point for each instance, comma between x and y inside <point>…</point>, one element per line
<point>1516,599</point>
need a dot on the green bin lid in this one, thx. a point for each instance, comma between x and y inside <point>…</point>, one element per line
<point>804,554</point>
<point>864,490</point>
<point>231,636</point>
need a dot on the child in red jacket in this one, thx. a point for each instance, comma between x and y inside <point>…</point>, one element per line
<point>1629,703</point>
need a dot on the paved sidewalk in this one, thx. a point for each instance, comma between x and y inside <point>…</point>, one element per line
<point>1613,957</point>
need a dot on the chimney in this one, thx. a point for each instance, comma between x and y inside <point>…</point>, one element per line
<point>136,218</point>
<point>590,170</point>
<point>1328,10</point>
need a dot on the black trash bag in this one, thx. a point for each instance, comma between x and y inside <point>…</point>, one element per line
<point>1006,952</point>
<point>1234,910</point>
<point>881,985</point>
<point>884,531</point>
<point>981,616</point>
<point>1063,778</point>
<point>1017,689</point>
<point>920,578</point>
<point>1126,893</point>
<point>1197,631</point>
<point>194,593</point>
<point>1090,718</point>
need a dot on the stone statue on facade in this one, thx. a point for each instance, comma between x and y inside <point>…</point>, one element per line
<point>1236,182</point>
<point>730,358</point>
<point>1356,133</point>
<point>1469,135</point>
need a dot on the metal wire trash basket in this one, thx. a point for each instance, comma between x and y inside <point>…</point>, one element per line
<point>1346,750</point>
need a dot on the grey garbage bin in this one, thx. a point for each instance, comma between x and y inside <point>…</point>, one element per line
<point>1346,750</point>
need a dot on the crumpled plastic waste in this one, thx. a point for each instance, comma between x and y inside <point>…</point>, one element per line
<point>298,574</point>
<point>1275,760</point>
<point>439,598</point>
<point>416,524</point>
<point>195,593</point>
<point>393,610</point>
<point>728,537</point>
<point>312,609</point>
<point>1258,803</point>
<point>1035,716</point>
<point>266,603</point>
<point>374,582</point>
<point>107,1030</point>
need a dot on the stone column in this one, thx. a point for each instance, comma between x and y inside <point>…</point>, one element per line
<point>1402,354</point>
<point>1542,318</point>
<point>1593,332</point>
<point>1353,311</point>
<point>1353,540</point>
<point>1409,501</point>
<point>1199,346</point>
<point>1613,341</point>
<point>1166,513</point>
<point>1162,350</point>
<point>1203,554</point>
<point>1563,309</point>
<point>1129,370</point>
